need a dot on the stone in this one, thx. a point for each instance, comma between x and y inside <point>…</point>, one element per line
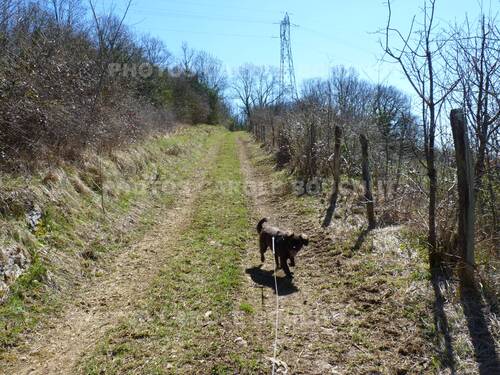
<point>241,341</point>
<point>13,262</point>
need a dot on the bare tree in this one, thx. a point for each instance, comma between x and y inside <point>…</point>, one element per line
<point>349,95</point>
<point>475,63</point>
<point>349,101</point>
<point>187,58</point>
<point>7,11</point>
<point>336,178</point>
<point>67,12</point>
<point>108,29</point>
<point>210,71</point>
<point>156,52</point>
<point>418,54</point>
<point>390,108</point>
<point>266,86</point>
<point>244,87</point>
<point>256,88</point>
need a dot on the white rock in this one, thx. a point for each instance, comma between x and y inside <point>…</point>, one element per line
<point>241,341</point>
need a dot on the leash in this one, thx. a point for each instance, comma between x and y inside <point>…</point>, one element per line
<point>277,314</point>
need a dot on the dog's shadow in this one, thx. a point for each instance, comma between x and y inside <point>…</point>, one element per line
<point>266,278</point>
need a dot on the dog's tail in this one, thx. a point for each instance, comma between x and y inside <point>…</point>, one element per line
<point>260,224</point>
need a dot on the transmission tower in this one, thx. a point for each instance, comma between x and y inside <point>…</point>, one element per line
<point>288,88</point>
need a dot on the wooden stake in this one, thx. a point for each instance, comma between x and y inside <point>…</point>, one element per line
<point>370,212</point>
<point>465,176</point>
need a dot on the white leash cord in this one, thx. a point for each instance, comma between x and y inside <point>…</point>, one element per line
<point>277,312</point>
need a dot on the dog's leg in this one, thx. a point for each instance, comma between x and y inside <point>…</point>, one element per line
<point>292,262</point>
<point>263,248</point>
<point>277,261</point>
<point>285,267</point>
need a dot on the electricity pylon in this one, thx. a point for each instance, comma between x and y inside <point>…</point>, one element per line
<point>288,87</point>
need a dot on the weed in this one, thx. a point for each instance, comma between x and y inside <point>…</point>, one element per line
<point>247,308</point>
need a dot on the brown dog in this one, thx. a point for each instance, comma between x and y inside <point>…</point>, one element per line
<point>286,244</point>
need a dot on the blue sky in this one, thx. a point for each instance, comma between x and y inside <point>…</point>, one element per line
<point>328,33</point>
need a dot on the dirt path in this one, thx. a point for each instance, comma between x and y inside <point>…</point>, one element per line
<point>105,301</point>
<point>344,312</point>
<point>302,323</point>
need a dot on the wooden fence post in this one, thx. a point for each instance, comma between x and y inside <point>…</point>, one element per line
<point>336,177</point>
<point>465,176</point>
<point>366,178</point>
<point>336,158</point>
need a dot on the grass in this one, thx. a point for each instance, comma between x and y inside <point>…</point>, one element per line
<point>247,308</point>
<point>179,329</point>
<point>19,314</point>
<point>139,183</point>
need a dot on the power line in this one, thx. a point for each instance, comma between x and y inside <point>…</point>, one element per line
<point>259,10</point>
<point>184,14</point>
<point>215,33</point>
<point>181,14</point>
<point>335,39</point>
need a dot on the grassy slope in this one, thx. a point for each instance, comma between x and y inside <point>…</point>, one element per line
<point>139,183</point>
<point>182,322</point>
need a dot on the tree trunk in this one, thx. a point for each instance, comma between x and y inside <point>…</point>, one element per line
<point>434,257</point>
<point>366,177</point>
<point>491,190</point>
<point>312,151</point>
<point>479,168</point>
<point>398,168</point>
<point>432,235</point>
<point>465,177</point>
<point>273,133</point>
<point>385,181</point>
